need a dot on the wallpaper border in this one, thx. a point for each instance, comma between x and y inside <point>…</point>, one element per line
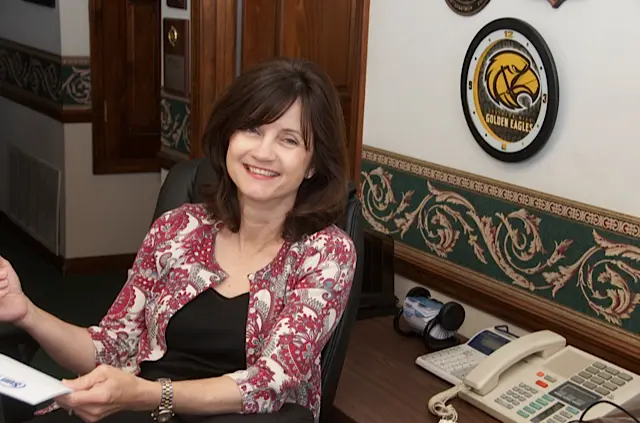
<point>583,213</point>
<point>441,260</point>
<point>57,86</point>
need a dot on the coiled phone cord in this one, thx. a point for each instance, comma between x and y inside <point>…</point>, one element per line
<point>438,404</point>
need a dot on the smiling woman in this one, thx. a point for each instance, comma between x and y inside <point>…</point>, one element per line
<point>229,303</point>
<point>280,117</point>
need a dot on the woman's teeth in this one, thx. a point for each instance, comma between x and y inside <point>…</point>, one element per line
<point>262,172</point>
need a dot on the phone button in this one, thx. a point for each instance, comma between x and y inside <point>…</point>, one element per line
<point>541,383</point>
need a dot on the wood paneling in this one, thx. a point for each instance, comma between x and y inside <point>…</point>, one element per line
<point>54,111</point>
<point>332,33</point>
<point>213,46</point>
<point>125,66</point>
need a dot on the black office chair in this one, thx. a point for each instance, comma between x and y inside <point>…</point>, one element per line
<point>183,185</point>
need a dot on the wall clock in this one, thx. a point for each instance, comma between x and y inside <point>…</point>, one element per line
<point>467,7</point>
<point>509,89</point>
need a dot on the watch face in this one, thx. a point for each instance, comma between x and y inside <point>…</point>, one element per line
<point>164,416</point>
<point>509,90</point>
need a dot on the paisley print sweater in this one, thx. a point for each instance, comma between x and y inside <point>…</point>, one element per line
<point>295,303</point>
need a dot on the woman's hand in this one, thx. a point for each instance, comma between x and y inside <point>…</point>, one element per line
<point>14,305</point>
<point>107,390</point>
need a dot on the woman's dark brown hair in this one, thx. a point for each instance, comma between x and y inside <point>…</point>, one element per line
<point>260,96</point>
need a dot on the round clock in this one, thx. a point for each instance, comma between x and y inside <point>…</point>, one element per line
<point>509,89</point>
<point>467,7</point>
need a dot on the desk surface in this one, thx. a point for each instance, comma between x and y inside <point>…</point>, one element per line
<point>380,381</point>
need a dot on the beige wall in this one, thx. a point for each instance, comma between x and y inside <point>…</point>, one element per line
<point>105,214</point>
<point>412,104</point>
<point>101,214</point>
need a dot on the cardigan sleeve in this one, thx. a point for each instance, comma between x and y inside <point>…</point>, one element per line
<point>310,315</point>
<point>117,336</point>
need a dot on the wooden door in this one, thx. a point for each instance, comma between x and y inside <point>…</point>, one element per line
<point>125,71</point>
<point>332,33</point>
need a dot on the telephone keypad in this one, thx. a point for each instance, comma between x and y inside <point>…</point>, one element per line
<point>566,414</point>
<point>604,375</point>
<point>601,378</point>
<point>617,381</point>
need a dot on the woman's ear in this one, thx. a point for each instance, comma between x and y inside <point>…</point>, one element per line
<point>310,173</point>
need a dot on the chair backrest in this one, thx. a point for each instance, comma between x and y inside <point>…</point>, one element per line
<point>184,183</point>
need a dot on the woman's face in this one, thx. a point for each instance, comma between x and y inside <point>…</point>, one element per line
<point>270,162</point>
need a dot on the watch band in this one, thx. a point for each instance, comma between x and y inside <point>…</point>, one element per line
<point>164,412</point>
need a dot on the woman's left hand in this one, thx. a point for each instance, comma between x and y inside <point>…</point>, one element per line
<point>104,391</point>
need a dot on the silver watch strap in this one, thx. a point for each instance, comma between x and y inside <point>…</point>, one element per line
<point>166,399</point>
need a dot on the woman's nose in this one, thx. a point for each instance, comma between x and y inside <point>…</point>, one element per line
<point>265,149</point>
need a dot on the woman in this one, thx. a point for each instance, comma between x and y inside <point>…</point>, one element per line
<point>229,303</point>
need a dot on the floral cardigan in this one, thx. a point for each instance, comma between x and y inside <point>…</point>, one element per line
<point>295,303</point>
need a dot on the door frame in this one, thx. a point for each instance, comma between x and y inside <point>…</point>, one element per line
<point>214,65</point>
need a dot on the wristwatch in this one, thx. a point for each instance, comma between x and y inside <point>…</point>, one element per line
<point>164,412</point>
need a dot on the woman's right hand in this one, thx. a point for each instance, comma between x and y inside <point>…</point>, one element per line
<point>14,305</point>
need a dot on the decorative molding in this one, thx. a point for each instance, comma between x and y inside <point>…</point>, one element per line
<point>582,213</point>
<point>59,87</point>
<point>574,266</point>
<point>175,125</point>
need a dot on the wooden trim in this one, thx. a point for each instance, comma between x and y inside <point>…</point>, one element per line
<point>100,264</point>
<point>53,110</point>
<point>71,266</point>
<point>360,29</point>
<point>100,150</point>
<point>8,227</point>
<point>519,307</point>
<point>103,161</point>
<point>213,51</point>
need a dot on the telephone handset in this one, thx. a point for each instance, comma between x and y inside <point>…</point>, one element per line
<point>484,377</point>
<point>538,378</point>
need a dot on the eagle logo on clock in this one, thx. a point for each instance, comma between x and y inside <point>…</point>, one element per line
<point>509,89</point>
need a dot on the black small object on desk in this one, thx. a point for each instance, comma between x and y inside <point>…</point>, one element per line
<point>449,319</point>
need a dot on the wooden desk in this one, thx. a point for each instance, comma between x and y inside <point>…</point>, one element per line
<point>380,381</point>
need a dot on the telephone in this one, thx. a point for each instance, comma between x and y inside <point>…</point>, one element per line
<point>537,378</point>
<point>454,363</point>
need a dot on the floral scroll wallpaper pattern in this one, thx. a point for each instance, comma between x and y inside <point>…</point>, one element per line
<point>65,82</point>
<point>175,124</point>
<point>59,81</point>
<point>583,259</point>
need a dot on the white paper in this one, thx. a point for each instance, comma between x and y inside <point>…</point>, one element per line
<point>26,384</point>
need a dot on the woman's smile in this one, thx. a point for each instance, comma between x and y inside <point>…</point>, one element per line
<point>261,173</point>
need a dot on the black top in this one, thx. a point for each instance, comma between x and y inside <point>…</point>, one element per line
<point>205,338</point>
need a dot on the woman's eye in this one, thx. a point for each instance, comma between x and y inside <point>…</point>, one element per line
<point>252,130</point>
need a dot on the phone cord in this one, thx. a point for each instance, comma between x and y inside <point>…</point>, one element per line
<point>438,404</point>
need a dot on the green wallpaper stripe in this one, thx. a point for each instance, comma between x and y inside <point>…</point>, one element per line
<point>63,81</point>
<point>175,124</point>
<point>575,255</point>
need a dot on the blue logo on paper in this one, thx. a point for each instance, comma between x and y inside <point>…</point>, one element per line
<point>11,383</point>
